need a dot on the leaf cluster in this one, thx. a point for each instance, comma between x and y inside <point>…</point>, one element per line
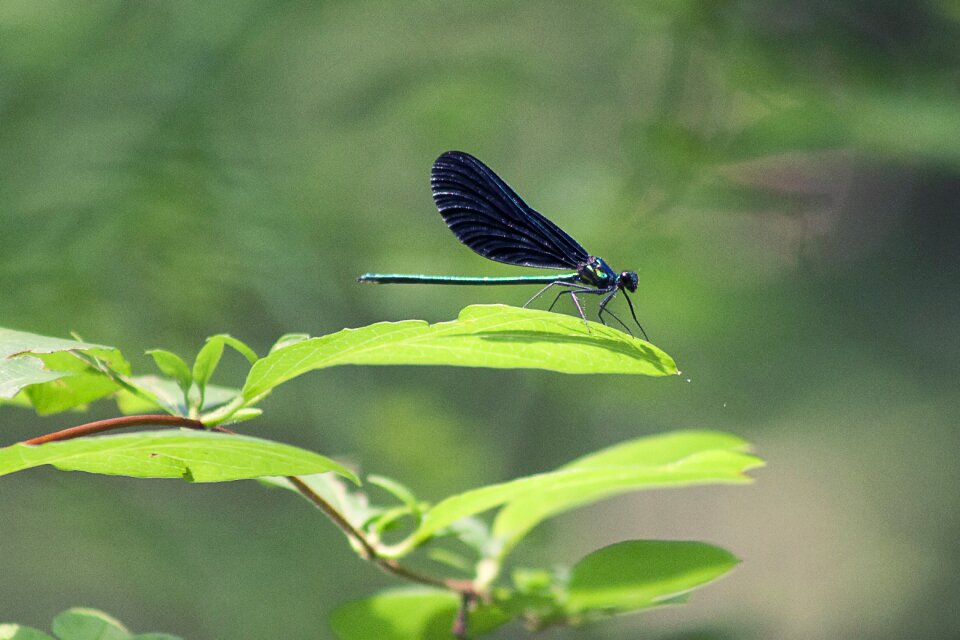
<point>385,521</point>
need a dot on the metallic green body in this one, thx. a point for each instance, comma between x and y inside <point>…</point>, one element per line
<point>403,278</point>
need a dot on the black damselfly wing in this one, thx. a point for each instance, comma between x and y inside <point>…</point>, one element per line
<point>489,217</point>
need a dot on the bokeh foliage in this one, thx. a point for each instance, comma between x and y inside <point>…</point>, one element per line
<point>783,175</point>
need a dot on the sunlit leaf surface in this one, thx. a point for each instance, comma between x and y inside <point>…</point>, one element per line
<point>197,456</point>
<point>54,378</point>
<point>639,573</point>
<point>406,613</point>
<point>677,459</point>
<point>496,336</point>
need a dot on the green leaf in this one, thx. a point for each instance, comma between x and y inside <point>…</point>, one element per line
<point>173,366</point>
<point>407,613</point>
<point>53,377</point>
<point>242,415</point>
<point>19,400</point>
<point>473,532</point>
<point>536,581</point>
<point>641,573</point>
<point>398,490</point>
<point>494,336</point>
<point>82,385</point>
<point>288,339</point>
<point>88,624</point>
<point>451,559</point>
<point>18,371</point>
<point>388,518</point>
<point>19,632</point>
<point>80,624</point>
<point>239,346</point>
<point>678,459</point>
<point>206,362</point>
<point>196,456</point>
<point>682,458</point>
<point>167,395</point>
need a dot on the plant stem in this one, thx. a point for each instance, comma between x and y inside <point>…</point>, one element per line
<point>464,587</point>
<point>369,552</point>
<point>104,368</point>
<point>115,423</point>
<point>460,622</point>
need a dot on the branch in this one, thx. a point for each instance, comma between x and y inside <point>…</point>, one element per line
<point>464,587</point>
<point>460,622</point>
<point>116,423</point>
<point>369,552</point>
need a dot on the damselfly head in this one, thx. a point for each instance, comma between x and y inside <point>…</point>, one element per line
<point>628,280</point>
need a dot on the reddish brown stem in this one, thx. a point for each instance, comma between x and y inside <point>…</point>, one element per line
<point>459,630</point>
<point>369,552</point>
<point>390,565</point>
<point>115,423</point>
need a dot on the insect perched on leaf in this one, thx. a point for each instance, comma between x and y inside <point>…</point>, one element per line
<point>489,217</point>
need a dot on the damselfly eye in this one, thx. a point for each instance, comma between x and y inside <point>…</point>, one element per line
<point>628,280</point>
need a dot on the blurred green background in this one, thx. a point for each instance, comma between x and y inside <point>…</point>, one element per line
<point>784,176</point>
